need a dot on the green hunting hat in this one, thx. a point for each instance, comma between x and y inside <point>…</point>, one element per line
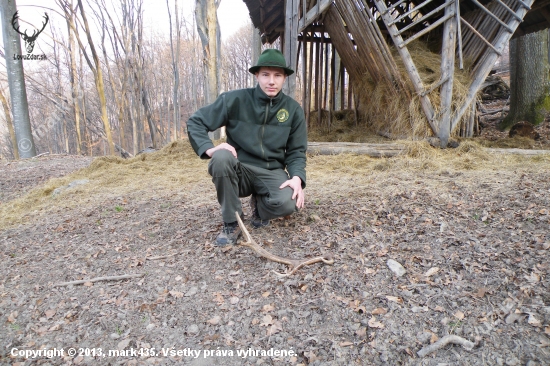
<point>271,58</point>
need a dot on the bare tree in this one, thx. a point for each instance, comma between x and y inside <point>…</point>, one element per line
<point>16,80</point>
<point>9,122</point>
<point>175,60</point>
<point>209,32</point>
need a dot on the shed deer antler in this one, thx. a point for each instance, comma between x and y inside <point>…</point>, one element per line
<point>294,264</point>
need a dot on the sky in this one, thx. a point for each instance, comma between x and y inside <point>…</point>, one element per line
<point>232,14</point>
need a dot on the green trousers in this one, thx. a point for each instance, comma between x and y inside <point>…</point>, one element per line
<point>234,180</point>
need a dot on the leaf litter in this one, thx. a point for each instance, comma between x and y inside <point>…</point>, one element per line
<point>470,229</point>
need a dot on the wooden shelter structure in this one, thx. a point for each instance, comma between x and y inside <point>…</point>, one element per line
<point>369,35</point>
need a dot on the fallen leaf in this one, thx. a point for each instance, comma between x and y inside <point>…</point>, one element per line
<point>534,321</point>
<point>275,328</point>
<point>266,294</point>
<point>533,277</point>
<point>13,316</point>
<point>123,344</point>
<point>55,327</point>
<point>547,330</point>
<point>50,313</point>
<point>370,271</point>
<point>267,308</point>
<point>346,344</point>
<point>218,298</point>
<point>480,292</point>
<point>178,278</point>
<point>544,342</point>
<point>361,332</point>
<point>215,320</point>
<point>267,320</point>
<point>439,308</point>
<point>311,357</point>
<point>379,311</point>
<point>513,317</point>
<point>373,323</point>
<point>434,338</point>
<point>395,299</point>
<point>255,321</point>
<point>88,284</point>
<point>233,300</point>
<point>459,315</point>
<point>176,294</point>
<point>431,271</point>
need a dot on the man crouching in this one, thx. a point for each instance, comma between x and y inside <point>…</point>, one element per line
<point>265,153</point>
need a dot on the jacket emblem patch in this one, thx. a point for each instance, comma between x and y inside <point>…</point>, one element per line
<point>282,115</point>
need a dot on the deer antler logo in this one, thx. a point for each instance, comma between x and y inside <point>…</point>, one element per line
<point>29,40</point>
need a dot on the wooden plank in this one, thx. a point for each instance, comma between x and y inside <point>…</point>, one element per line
<point>438,9</point>
<point>428,29</point>
<point>313,14</point>
<point>393,6</point>
<point>480,36</point>
<point>447,73</point>
<point>373,150</point>
<point>416,8</point>
<point>291,44</point>
<point>459,33</point>
<point>513,13</point>
<point>484,9</point>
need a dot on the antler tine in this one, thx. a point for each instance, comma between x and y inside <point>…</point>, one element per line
<point>243,228</point>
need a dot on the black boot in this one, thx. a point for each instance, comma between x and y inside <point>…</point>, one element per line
<point>256,220</point>
<point>229,234</point>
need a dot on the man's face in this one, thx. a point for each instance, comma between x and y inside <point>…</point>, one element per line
<point>271,80</point>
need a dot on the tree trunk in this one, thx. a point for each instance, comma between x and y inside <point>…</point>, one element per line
<point>175,68</point>
<point>207,26</point>
<point>9,122</point>
<point>98,78</point>
<point>16,82</point>
<point>529,79</point>
<point>74,86</point>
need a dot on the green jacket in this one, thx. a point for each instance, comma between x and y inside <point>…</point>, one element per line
<point>269,133</point>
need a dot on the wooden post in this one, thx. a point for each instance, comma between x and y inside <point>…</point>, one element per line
<point>447,73</point>
<point>310,80</point>
<point>291,44</point>
<point>256,51</point>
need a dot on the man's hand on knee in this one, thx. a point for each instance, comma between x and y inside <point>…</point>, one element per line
<point>296,184</point>
<point>222,146</point>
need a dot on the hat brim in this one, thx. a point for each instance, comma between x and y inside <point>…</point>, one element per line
<point>255,69</point>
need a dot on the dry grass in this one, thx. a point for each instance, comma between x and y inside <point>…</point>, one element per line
<point>381,109</point>
<point>176,170</point>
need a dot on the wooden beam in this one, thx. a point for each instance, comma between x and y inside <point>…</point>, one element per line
<point>416,8</point>
<point>428,29</point>
<point>291,44</point>
<point>480,36</point>
<point>447,74</point>
<point>322,6</point>
<point>483,8</point>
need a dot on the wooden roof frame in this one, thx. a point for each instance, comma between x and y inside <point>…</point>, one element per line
<point>477,29</point>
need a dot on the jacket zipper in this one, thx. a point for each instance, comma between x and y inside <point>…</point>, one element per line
<point>267,106</point>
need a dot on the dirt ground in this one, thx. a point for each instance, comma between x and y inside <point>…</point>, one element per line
<point>471,230</point>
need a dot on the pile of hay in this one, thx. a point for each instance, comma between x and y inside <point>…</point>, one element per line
<point>382,110</point>
<point>172,169</point>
